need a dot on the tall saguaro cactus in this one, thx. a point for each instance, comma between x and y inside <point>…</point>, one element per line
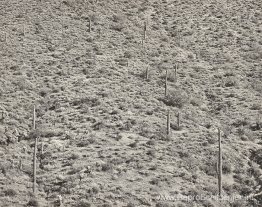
<point>219,163</point>
<point>6,37</point>
<point>144,30</point>
<point>168,123</point>
<point>89,25</point>
<point>166,82</point>
<point>35,151</point>
<point>147,73</point>
<point>178,120</point>
<point>176,67</point>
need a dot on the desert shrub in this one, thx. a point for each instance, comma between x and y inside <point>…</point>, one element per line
<point>195,101</point>
<point>122,61</point>
<point>255,106</point>
<point>210,169</point>
<point>175,127</point>
<point>33,202</point>
<point>230,82</point>
<point>240,122</point>
<point>45,132</point>
<point>144,129</point>
<point>106,166</point>
<point>256,156</point>
<point>154,181</point>
<point>170,76</point>
<point>229,73</point>
<point>117,27</point>
<point>10,192</point>
<point>176,98</point>
<point>74,156</point>
<point>91,101</point>
<point>105,205</point>
<point>226,168</point>
<point>83,204</point>
<point>51,132</point>
<point>46,155</point>
<point>3,169</point>
<point>43,92</point>
<point>128,54</point>
<point>130,205</point>
<point>151,153</point>
<point>257,86</point>
<point>162,204</point>
<point>207,203</point>
<point>86,71</point>
<point>93,190</point>
<point>238,203</point>
<point>254,171</point>
<point>151,142</point>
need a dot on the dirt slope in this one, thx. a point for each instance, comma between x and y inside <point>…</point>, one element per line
<point>102,125</point>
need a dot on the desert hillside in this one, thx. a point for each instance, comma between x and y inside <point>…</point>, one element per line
<point>104,76</point>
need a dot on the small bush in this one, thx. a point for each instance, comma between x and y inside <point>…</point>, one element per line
<point>175,127</point>
<point>238,203</point>
<point>83,204</point>
<point>117,27</point>
<point>210,169</point>
<point>226,168</point>
<point>130,205</point>
<point>154,181</point>
<point>106,167</point>
<point>10,192</point>
<point>33,202</point>
<point>161,204</point>
<point>170,77</point>
<point>74,156</point>
<point>177,98</point>
<point>230,82</point>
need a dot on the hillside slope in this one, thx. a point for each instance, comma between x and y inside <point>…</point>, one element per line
<point>102,125</point>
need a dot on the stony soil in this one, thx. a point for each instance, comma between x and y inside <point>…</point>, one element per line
<point>102,125</point>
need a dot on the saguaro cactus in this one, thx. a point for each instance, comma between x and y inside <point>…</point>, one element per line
<point>20,165</point>
<point>6,37</point>
<point>168,123</point>
<point>35,151</point>
<point>219,163</point>
<point>176,67</point>
<point>89,25</point>
<point>144,30</point>
<point>166,82</point>
<point>178,120</point>
<point>147,71</point>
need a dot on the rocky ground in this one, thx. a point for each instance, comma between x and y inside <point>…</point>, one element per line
<point>102,125</point>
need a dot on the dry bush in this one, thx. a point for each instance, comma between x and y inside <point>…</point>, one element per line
<point>210,169</point>
<point>10,192</point>
<point>83,204</point>
<point>117,27</point>
<point>106,167</point>
<point>176,97</point>
<point>238,203</point>
<point>45,132</point>
<point>74,156</point>
<point>33,202</point>
<point>230,82</point>
<point>90,101</point>
<point>144,129</point>
<point>170,76</point>
<point>226,168</point>
<point>256,156</point>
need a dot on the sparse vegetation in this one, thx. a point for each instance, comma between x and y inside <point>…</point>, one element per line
<point>103,75</point>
